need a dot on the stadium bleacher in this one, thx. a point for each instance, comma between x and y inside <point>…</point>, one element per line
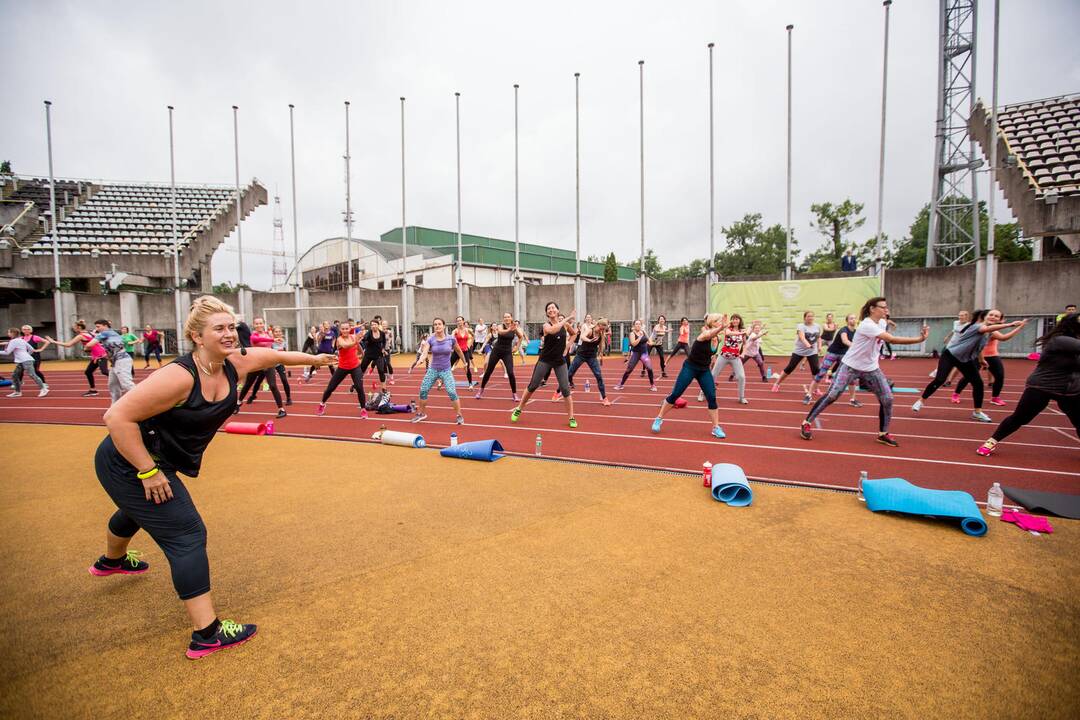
<point>1044,136</point>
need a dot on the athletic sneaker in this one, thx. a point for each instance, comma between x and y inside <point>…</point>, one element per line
<point>981,416</point>
<point>996,401</point>
<point>229,634</point>
<point>804,430</point>
<point>854,402</point>
<point>281,413</point>
<point>90,393</point>
<point>515,415</point>
<point>363,413</point>
<point>917,406</point>
<point>700,396</point>
<point>130,564</point>
<point>652,388</point>
<point>806,399</point>
<point>288,401</point>
<point>573,423</point>
<point>656,424</point>
<point>987,447</point>
<point>320,409</point>
<point>618,387</point>
<point>516,398</point>
<point>744,401</point>
<point>556,397</point>
<point>775,388</point>
<point>887,439</point>
<point>419,417</point>
<point>392,380</point>
<point>45,391</point>
<point>15,394</point>
<point>718,432</point>
<point>479,394</point>
<point>459,420</point>
<point>955,399</point>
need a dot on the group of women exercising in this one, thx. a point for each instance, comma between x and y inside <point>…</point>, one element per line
<point>162,427</point>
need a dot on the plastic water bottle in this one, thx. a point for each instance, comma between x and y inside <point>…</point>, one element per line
<point>539,444</point>
<point>706,474</point>
<point>994,500</point>
<point>588,387</point>
<point>863,477</point>
<point>453,439</point>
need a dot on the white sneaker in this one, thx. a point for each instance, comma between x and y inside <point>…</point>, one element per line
<point>44,391</point>
<point>917,406</point>
<point>701,397</point>
<point>15,394</point>
<point>981,416</point>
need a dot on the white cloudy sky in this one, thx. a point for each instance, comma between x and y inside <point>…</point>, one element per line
<point>111,68</point>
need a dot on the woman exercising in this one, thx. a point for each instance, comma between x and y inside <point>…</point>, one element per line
<point>588,348</point>
<point>684,339</point>
<point>99,361</point>
<point>696,367</point>
<point>388,351</point>
<point>348,366</point>
<point>502,351</point>
<point>463,336</point>
<point>860,365</point>
<point>828,330</point>
<point>807,347</point>
<point>639,350</point>
<point>752,349</point>
<point>151,342</point>
<point>656,342</point>
<point>836,351</point>
<point>374,344</point>
<point>551,358</point>
<point>991,361</point>
<point>734,337</point>
<point>1056,377</point>
<point>161,429</point>
<point>441,347</point>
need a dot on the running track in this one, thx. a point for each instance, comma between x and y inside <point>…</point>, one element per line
<point>937,447</point>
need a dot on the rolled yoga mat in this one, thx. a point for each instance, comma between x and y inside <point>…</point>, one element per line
<point>404,439</point>
<point>1067,506</point>
<point>729,485</point>
<point>486,450</point>
<point>246,428</point>
<point>898,495</point>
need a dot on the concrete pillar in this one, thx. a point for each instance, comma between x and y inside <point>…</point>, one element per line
<point>206,280</point>
<point>980,280</point>
<point>129,311</point>
<point>519,302</point>
<point>352,302</point>
<point>244,301</point>
<point>185,307</point>
<point>580,298</point>
<point>408,314</point>
<point>466,304</point>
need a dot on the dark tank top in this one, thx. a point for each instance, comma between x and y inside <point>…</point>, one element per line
<point>504,341</point>
<point>553,346</point>
<point>588,348</point>
<point>179,435</point>
<point>701,352</point>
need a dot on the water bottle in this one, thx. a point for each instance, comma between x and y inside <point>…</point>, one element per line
<point>706,474</point>
<point>994,500</point>
<point>588,387</point>
<point>539,444</point>
<point>863,477</point>
<point>453,439</point>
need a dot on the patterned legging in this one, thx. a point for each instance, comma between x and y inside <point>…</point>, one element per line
<point>874,380</point>
<point>635,355</point>
<point>448,381</point>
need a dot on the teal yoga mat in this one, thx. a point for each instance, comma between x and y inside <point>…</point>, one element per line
<point>729,485</point>
<point>485,450</point>
<point>898,495</point>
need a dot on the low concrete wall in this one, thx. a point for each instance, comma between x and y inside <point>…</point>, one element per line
<point>929,292</point>
<point>1035,288</point>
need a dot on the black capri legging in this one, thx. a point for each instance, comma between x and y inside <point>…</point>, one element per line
<point>1033,402</point>
<point>968,369</point>
<point>997,371</point>
<point>679,346</point>
<point>659,351</point>
<point>100,364</point>
<point>506,357</point>
<point>376,360</point>
<point>815,365</point>
<point>340,374</point>
<point>468,363</point>
<point>543,368</point>
<point>152,349</point>
<point>174,525</point>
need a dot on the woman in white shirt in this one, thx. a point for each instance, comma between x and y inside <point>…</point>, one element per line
<point>860,364</point>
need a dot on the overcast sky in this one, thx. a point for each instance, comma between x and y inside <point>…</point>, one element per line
<point>110,69</point>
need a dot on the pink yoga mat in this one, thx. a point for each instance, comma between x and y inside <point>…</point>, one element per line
<point>248,428</point>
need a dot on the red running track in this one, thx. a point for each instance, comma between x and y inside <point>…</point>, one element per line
<point>937,447</point>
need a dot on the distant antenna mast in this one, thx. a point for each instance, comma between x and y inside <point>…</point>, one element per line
<point>279,271</point>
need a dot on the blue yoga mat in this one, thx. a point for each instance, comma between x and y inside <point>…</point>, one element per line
<point>729,485</point>
<point>533,348</point>
<point>486,450</point>
<point>898,495</point>
<point>906,390</point>
<point>5,383</point>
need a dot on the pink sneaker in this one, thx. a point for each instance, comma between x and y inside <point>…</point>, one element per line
<point>363,413</point>
<point>955,399</point>
<point>996,401</point>
<point>987,448</point>
<point>320,409</point>
<point>775,388</point>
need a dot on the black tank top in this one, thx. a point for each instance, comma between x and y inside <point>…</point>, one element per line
<point>701,352</point>
<point>553,346</point>
<point>588,348</point>
<point>179,435</point>
<point>504,341</point>
<point>373,347</point>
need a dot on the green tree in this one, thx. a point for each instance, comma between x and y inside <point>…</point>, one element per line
<point>5,167</point>
<point>753,249</point>
<point>611,268</point>
<point>835,222</point>
<point>911,251</point>
<point>695,269</point>
<point>224,288</point>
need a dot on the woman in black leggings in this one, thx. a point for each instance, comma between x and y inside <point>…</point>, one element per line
<point>683,339</point>
<point>502,350</point>
<point>99,361</point>
<point>374,344</point>
<point>552,358</point>
<point>159,429</point>
<point>1056,377</point>
<point>807,347</point>
<point>992,360</point>
<point>348,347</point>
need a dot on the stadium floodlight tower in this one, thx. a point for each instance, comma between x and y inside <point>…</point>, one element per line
<point>953,237</point>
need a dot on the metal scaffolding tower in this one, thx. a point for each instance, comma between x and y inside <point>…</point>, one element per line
<point>954,217</point>
<point>280,273</point>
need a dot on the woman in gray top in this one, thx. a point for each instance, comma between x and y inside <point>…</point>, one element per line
<point>962,353</point>
<point>807,347</point>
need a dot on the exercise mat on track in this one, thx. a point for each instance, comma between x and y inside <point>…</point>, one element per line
<point>906,390</point>
<point>1066,506</point>
<point>485,450</point>
<point>249,428</point>
<point>729,485</point>
<point>898,495</point>
<point>404,439</point>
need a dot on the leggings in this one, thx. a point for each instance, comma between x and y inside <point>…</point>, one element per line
<point>28,368</point>
<point>468,363</point>
<point>997,371</point>
<point>152,349</point>
<point>339,375</point>
<point>689,373</point>
<point>659,351</point>
<point>874,381</point>
<point>367,361</point>
<point>794,363</point>
<point>255,380</point>
<point>594,365</point>
<point>759,359</point>
<point>448,381</point>
<point>100,364</point>
<point>37,366</point>
<point>829,362</point>
<point>1033,402</point>
<point>723,361</point>
<point>643,356</point>
<point>284,381</point>
<point>543,368</point>
<point>679,346</point>
<point>506,357</point>
<point>968,369</point>
<point>387,363</point>
<point>175,525</point>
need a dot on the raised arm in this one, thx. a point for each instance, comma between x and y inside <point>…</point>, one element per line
<point>895,340</point>
<point>256,359</point>
<point>1001,326</point>
<point>61,343</point>
<point>1008,335</point>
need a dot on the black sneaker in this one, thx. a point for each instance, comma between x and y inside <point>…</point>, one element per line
<point>230,634</point>
<point>281,413</point>
<point>288,401</point>
<point>887,439</point>
<point>130,564</point>
<point>804,431</point>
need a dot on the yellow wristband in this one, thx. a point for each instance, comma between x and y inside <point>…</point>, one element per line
<point>147,474</point>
